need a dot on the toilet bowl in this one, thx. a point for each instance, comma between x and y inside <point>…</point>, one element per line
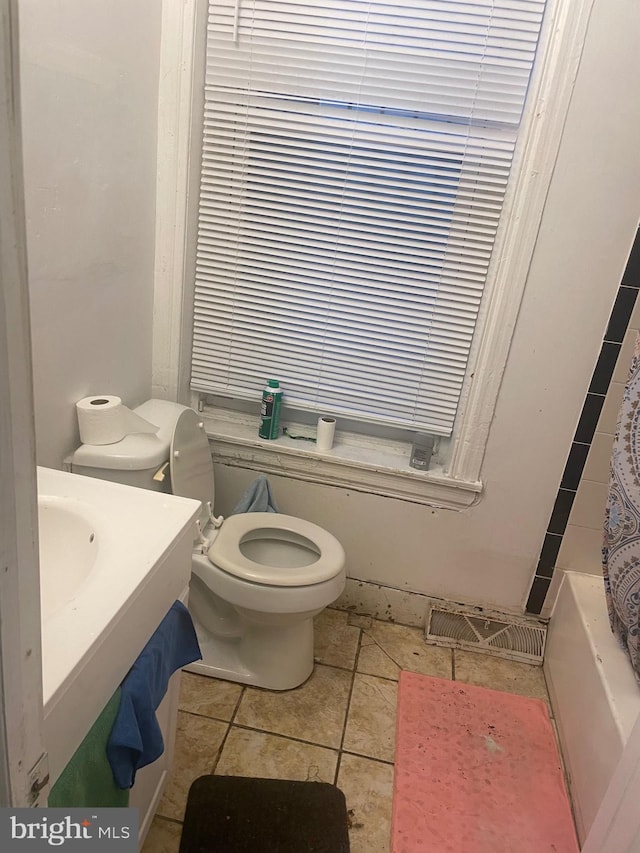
<point>257,580</point>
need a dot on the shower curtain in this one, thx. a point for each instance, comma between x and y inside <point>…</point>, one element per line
<point>621,547</point>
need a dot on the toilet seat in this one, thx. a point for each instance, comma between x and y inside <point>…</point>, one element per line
<point>226,550</point>
<point>192,477</point>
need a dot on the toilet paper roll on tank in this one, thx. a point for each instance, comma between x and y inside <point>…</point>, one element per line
<point>103,419</point>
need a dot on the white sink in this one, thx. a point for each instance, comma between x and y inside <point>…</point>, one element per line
<point>69,534</point>
<point>113,559</point>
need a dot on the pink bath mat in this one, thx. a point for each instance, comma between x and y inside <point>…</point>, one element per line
<point>476,771</point>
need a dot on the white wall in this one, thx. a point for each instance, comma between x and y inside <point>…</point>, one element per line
<point>90,100</point>
<point>488,554</point>
<point>89,79</point>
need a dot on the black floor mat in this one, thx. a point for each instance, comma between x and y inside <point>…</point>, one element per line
<point>235,814</point>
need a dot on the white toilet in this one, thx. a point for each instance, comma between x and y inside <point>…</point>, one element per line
<point>257,578</point>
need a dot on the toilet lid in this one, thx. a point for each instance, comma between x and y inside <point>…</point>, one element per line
<point>236,530</point>
<point>190,459</point>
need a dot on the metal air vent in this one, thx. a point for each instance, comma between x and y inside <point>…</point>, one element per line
<point>496,634</point>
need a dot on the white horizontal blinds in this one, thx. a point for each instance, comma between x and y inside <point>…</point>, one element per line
<point>355,160</point>
<point>444,57</point>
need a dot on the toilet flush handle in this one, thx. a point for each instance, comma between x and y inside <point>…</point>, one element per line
<point>160,475</point>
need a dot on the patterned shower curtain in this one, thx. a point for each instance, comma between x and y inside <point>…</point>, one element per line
<point>621,547</point>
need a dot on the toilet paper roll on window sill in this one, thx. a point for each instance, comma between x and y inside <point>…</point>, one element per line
<point>325,434</point>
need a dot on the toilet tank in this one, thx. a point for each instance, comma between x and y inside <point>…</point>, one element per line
<point>140,459</point>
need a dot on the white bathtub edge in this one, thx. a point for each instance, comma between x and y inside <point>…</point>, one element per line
<point>594,694</point>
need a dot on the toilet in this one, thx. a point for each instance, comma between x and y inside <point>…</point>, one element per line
<point>257,578</point>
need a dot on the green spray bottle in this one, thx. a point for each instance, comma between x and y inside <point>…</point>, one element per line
<point>270,410</point>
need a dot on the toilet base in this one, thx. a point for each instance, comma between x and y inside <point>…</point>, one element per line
<point>275,659</point>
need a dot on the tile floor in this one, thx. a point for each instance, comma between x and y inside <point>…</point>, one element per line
<point>338,727</point>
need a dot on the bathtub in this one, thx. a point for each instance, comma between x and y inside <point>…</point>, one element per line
<point>594,695</point>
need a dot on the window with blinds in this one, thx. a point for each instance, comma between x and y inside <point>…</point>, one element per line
<point>355,160</point>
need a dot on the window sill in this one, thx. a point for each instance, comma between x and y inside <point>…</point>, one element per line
<point>355,462</point>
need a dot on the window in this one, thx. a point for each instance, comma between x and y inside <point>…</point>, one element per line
<point>355,160</point>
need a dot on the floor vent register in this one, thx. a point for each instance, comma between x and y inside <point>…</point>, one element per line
<point>502,635</point>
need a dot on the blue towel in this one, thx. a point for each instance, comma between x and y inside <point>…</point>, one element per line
<point>136,739</point>
<point>257,498</point>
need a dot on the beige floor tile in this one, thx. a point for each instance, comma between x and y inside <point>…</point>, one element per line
<point>387,648</point>
<point>163,836</point>
<point>368,788</point>
<point>210,697</point>
<point>499,674</point>
<point>335,641</point>
<point>373,660</point>
<point>250,753</point>
<point>360,621</point>
<point>371,724</point>
<point>313,712</point>
<point>198,742</point>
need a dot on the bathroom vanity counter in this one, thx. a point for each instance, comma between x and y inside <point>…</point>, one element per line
<point>113,559</point>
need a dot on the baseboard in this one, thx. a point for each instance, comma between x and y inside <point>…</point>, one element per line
<point>383,602</point>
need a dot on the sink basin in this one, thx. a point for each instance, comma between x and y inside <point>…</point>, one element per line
<point>113,559</point>
<point>68,531</point>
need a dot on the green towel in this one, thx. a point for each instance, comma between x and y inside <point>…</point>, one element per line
<point>87,779</point>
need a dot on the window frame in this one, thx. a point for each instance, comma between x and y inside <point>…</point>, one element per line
<point>382,466</point>
<point>328,151</point>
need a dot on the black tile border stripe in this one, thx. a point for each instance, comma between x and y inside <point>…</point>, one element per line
<point>539,590</point>
<point>621,314</point>
<point>589,417</point>
<point>631,276</point>
<point>549,555</point>
<point>605,366</point>
<point>575,465</point>
<point>587,423</point>
<point>561,511</point>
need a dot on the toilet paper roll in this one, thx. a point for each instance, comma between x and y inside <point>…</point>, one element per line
<point>326,431</point>
<point>104,420</point>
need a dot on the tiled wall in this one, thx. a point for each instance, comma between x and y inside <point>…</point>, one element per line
<point>574,534</point>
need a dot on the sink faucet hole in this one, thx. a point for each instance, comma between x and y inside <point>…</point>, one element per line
<point>92,537</point>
